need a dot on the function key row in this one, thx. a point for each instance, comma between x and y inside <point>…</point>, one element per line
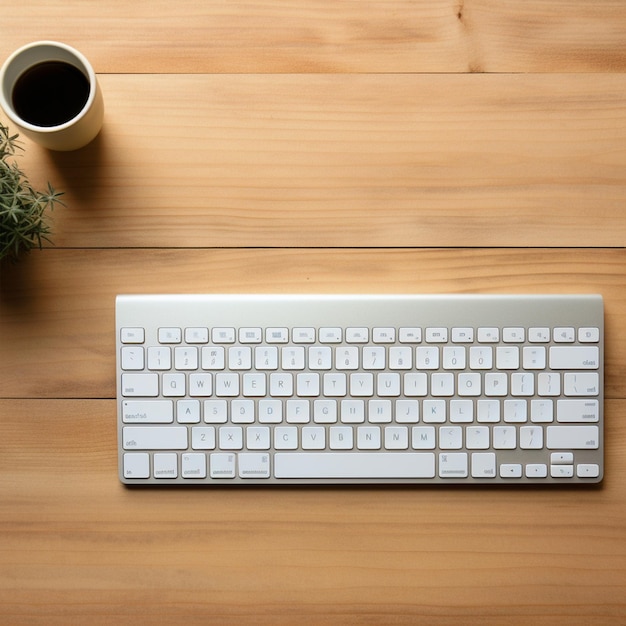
<point>363,335</point>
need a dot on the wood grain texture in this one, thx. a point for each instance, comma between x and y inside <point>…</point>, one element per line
<point>57,307</point>
<point>76,546</point>
<point>357,160</point>
<point>472,146</point>
<point>329,37</point>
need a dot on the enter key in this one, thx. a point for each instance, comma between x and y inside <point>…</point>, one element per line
<point>577,411</point>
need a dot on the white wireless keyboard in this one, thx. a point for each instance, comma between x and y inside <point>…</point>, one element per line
<point>322,389</point>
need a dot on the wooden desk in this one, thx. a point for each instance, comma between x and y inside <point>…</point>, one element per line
<point>311,146</point>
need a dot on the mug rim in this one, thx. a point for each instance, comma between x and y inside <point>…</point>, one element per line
<point>85,66</point>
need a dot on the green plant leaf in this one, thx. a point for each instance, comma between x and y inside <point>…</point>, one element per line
<point>23,223</point>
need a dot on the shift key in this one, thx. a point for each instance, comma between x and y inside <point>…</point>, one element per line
<point>154,438</point>
<point>573,437</point>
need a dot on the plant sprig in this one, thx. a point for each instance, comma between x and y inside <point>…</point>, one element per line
<point>23,223</point>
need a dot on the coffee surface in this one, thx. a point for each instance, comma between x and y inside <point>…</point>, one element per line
<point>50,93</point>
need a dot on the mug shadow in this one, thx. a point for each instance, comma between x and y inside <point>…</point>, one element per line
<point>79,173</point>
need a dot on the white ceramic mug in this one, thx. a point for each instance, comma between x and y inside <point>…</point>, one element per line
<point>45,123</point>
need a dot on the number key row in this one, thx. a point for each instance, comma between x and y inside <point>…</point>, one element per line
<point>455,357</point>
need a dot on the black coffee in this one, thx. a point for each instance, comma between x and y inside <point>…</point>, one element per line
<point>50,93</point>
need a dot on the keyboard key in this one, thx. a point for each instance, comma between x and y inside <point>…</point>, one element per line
<point>477,438</point>
<point>230,438</point>
<point>534,357</point>
<point>258,438</point>
<point>196,335</point>
<point>203,438</point>
<point>254,465</point>
<point>239,358</point>
<point>511,470</point>
<point>132,335</point>
<point>513,335</point>
<point>483,465</point>
<point>561,458</point>
<point>564,335</point>
<point>250,335</point>
<point>489,335</point>
<point>174,385</point>
<point>396,438</point>
<point>298,411</point>
<point>308,385</point>
<point>222,465</point>
<point>200,385</point>
<point>352,411</point>
<point>539,335</point>
<point>303,335</point>
<point>223,335</point>
<point>165,465</point>
<point>573,437</point>
<point>313,437</point>
<point>581,384</point>
<point>561,471</point>
<point>320,358</point>
<point>507,357</point>
<point>427,358</point>
<point>351,465</point>
<point>170,335</point>
<point>400,358</point>
<point>330,335</point>
<point>453,358</point>
<point>266,358</point>
<point>186,358</point>
<point>137,385</point>
<point>436,335</point>
<point>549,384</point>
<point>410,335</point>
<point>193,465</point>
<point>362,385</point>
<point>577,411</point>
<point>155,437</point>
<point>531,437</point>
<point>132,358</point>
<point>504,437</point>
<point>589,335</point>
<point>450,438</point>
<point>541,411</point>
<point>481,357</point>
<point>388,384</point>
<point>277,335</point>
<point>536,470</point>
<point>347,358</point>
<point>453,465</point>
<point>341,438</point>
<point>423,437</point>
<point>357,335</point>
<point>587,470</point>
<point>335,385</point>
<point>136,465</point>
<point>462,335</point>
<point>368,438</point>
<point>574,358</point>
<point>213,358</point>
<point>388,335</point>
<point>147,412</point>
<point>159,358</point>
<point>286,438</point>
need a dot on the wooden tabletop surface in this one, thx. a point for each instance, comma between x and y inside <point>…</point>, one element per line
<point>392,146</point>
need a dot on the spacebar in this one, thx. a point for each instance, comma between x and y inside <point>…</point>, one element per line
<point>354,465</point>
